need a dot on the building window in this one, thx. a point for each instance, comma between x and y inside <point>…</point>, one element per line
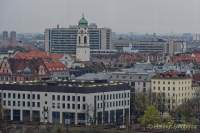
<point>13,95</point>
<point>38,96</point>
<point>28,104</point>
<point>79,106</point>
<point>68,98</point>
<point>83,106</point>
<point>4,103</point>
<point>23,104</point>
<point>168,88</point>
<point>83,98</point>
<point>73,98</point>
<point>68,106</point>
<point>85,39</point>
<point>163,88</point>
<point>58,97</point>
<point>28,96</point>
<point>63,105</point>
<point>33,96</point>
<point>9,95</point>
<point>9,103</point>
<point>33,104</point>
<point>45,94</point>
<point>13,103</point>
<point>53,97</point>
<point>23,96</point>
<point>73,106</point>
<point>63,98</point>
<point>38,104</point>
<point>18,96</point>
<point>4,95</point>
<point>18,103</point>
<point>79,98</point>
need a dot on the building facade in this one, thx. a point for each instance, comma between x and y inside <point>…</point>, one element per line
<point>67,104</point>
<point>171,89</point>
<point>64,40</point>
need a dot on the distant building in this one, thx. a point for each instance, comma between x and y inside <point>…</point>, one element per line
<point>5,36</point>
<point>196,37</point>
<point>147,46</point>
<point>175,47</point>
<point>13,37</point>
<point>69,103</point>
<point>64,40</point>
<point>171,89</point>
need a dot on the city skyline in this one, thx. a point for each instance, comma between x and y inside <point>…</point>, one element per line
<point>138,16</point>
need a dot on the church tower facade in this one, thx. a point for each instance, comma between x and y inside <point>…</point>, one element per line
<point>83,47</point>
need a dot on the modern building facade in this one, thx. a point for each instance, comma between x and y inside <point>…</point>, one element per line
<point>64,40</point>
<point>5,36</point>
<point>67,103</point>
<point>13,37</point>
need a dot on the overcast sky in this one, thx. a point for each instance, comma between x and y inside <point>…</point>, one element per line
<point>144,16</point>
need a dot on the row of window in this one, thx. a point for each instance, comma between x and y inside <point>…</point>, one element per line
<point>68,106</point>
<point>170,82</point>
<point>173,88</point>
<point>173,94</point>
<point>112,96</point>
<point>21,104</point>
<point>113,104</point>
<point>68,98</point>
<point>23,96</point>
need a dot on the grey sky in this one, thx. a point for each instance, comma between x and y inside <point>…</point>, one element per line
<point>120,15</point>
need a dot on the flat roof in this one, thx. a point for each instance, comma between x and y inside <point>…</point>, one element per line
<point>65,88</point>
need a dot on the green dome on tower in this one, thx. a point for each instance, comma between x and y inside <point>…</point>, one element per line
<point>83,22</point>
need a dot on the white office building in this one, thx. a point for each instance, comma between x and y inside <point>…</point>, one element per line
<point>67,103</point>
<point>64,40</point>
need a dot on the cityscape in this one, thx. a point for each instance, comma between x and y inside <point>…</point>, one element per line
<point>86,77</point>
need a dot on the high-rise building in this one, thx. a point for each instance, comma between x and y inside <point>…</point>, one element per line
<point>13,37</point>
<point>64,40</point>
<point>5,35</point>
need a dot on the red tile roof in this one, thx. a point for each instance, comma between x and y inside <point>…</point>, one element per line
<point>55,66</point>
<point>37,54</point>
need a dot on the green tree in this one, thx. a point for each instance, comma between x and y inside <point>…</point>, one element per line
<point>151,117</point>
<point>141,102</point>
<point>1,112</point>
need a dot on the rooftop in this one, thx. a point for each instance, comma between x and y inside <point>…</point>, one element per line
<point>66,87</point>
<point>171,75</point>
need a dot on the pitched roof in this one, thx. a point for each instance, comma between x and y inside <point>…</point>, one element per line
<point>37,54</point>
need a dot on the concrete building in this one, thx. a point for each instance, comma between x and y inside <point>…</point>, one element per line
<point>175,47</point>
<point>13,37</point>
<point>69,103</point>
<point>64,40</point>
<point>196,37</point>
<point>5,36</point>
<point>171,89</point>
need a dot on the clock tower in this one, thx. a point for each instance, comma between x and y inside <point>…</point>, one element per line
<point>83,47</point>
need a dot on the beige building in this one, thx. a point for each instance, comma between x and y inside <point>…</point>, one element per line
<point>171,89</point>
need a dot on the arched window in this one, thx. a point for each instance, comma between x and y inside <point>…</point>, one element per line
<point>85,39</point>
<point>79,40</point>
